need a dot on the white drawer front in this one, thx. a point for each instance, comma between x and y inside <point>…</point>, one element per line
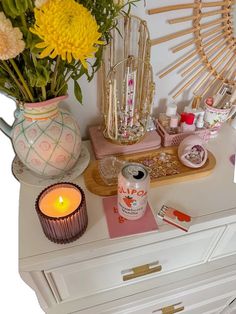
<point>192,304</point>
<point>210,306</point>
<point>104,273</point>
<point>227,244</point>
<point>196,298</point>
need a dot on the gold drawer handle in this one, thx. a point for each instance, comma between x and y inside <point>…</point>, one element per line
<point>170,309</point>
<point>142,271</point>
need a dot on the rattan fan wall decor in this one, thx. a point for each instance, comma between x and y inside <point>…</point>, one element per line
<point>213,41</point>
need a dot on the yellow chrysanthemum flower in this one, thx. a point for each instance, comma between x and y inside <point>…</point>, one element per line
<point>11,39</point>
<point>67,29</point>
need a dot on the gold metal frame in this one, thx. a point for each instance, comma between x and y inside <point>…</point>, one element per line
<point>213,41</point>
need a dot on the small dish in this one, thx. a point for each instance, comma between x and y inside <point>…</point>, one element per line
<point>109,168</point>
<point>192,152</point>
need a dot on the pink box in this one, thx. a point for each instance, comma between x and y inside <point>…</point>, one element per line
<point>175,217</point>
<point>102,147</point>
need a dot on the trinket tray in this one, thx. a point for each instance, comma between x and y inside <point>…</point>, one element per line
<point>163,164</point>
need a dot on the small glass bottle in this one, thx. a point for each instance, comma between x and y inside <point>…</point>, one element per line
<point>188,125</point>
<point>183,116</point>
<point>164,118</point>
<point>182,120</point>
<point>174,120</point>
<point>195,107</point>
<point>200,121</point>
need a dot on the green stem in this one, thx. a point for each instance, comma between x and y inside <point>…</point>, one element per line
<point>11,73</point>
<point>34,60</point>
<point>22,80</point>
<point>59,81</point>
<point>44,94</point>
<point>61,88</point>
<point>66,80</point>
<point>54,78</point>
<point>30,5</point>
<point>23,21</point>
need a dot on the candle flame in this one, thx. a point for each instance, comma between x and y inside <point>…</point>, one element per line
<point>60,199</point>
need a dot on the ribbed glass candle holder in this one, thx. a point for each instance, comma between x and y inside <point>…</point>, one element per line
<point>69,224</point>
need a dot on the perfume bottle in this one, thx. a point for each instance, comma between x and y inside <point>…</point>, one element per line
<point>195,107</point>
<point>188,125</point>
<point>182,120</point>
<point>164,118</point>
<point>200,121</point>
<point>174,121</point>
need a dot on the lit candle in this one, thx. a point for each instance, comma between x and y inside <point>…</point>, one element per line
<point>60,202</point>
<point>62,212</point>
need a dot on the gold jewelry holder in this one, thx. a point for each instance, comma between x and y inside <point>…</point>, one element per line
<point>127,81</point>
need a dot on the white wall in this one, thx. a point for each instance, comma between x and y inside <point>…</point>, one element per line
<point>161,57</point>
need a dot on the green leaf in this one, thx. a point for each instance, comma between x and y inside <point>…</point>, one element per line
<point>98,56</point>
<point>42,76</point>
<point>78,92</point>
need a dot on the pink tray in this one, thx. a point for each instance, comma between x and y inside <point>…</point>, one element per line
<point>103,147</point>
<point>175,139</point>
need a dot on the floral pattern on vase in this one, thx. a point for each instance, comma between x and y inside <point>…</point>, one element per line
<point>47,139</point>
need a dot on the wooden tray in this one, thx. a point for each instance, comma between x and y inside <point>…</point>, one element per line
<point>95,184</point>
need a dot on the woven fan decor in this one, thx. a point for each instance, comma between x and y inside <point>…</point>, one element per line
<point>213,41</point>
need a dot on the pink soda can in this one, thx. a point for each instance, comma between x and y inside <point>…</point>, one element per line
<point>133,185</point>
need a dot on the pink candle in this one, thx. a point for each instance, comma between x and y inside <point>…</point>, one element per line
<point>62,212</point>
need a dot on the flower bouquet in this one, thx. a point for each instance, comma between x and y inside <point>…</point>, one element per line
<point>44,44</point>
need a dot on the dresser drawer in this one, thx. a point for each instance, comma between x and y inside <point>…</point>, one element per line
<point>200,297</point>
<point>227,244</point>
<point>209,306</point>
<point>213,305</point>
<point>116,270</point>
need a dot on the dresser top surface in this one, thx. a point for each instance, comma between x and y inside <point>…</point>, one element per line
<point>208,200</point>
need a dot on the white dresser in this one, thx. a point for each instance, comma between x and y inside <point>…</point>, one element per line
<point>163,272</point>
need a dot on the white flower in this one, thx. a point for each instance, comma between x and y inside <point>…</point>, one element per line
<point>119,2</point>
<point>11,42</point>
<point>39,3</point>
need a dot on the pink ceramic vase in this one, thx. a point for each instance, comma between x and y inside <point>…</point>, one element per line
<point>45,138</point>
